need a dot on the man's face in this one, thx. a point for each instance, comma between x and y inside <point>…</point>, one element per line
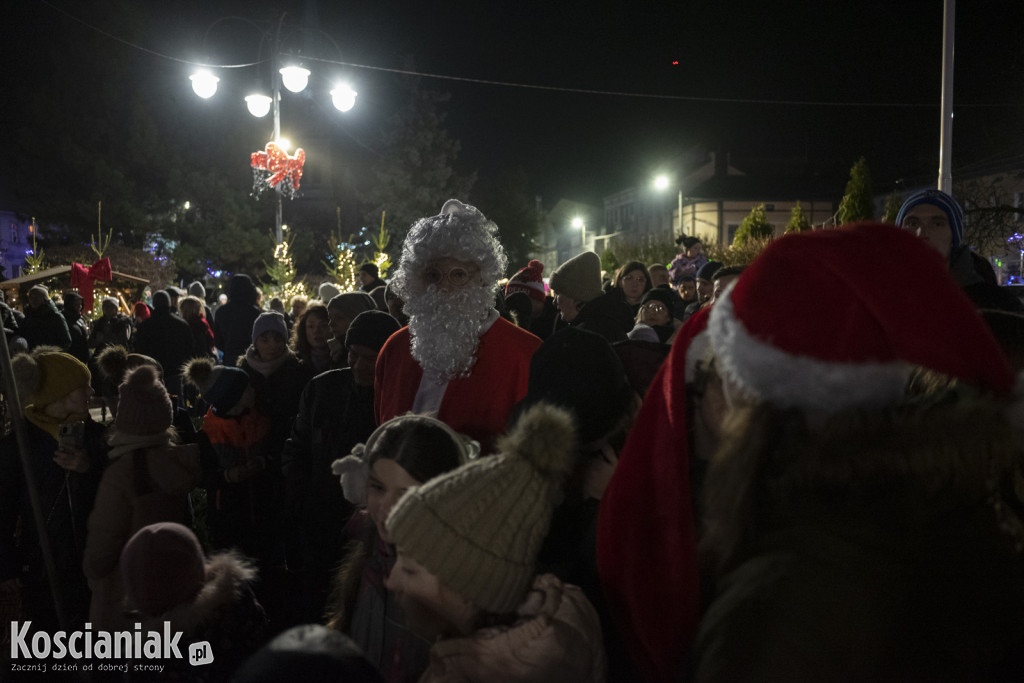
<point>365,277</point>
<point>451,274</point>
<point>567,307</point>
<point>338,322</point>
<point>36,299</point>
<point>432,610</point>
<point>688,290</point>
<point>73,305</point>
<point>658,277</point>
<point>362,360</point>
<point>720,285</point>
<point>704,289</point>
<point>931,224</point>
<point>109,309</point>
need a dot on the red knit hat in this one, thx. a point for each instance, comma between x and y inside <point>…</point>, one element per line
<point>842,336</point>
<point>528,281</point>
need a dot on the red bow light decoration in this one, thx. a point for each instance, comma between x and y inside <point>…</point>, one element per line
<point>82,279</point>
<point>273,168</point>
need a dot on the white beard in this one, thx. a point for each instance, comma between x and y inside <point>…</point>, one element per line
<point>445,328</point>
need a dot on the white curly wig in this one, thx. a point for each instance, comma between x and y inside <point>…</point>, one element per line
<point>461,232</point>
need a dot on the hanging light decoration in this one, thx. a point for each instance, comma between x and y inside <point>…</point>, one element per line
<point>259,105</point>
<point>204,84</point>
<point>343,97</point>
<point>295,78</point>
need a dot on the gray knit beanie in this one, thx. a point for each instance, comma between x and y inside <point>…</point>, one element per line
<point>579,277</point>
<point>479,528</point>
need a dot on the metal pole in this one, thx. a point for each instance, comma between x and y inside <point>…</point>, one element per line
<point>18,425</point>
<point>946,125</point>
<point>276,78</point>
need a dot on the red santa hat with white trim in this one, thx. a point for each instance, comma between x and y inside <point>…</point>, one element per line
<point>846,333</point>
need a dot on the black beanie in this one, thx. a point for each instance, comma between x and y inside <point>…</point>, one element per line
<point>708,270</point>
<point>578,370</point>
<point>371,329</point>
<point>665,296</point>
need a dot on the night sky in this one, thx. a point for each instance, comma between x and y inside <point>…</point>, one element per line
<point>584,145</point>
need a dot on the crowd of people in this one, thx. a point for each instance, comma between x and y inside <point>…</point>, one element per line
<point>808,467</point>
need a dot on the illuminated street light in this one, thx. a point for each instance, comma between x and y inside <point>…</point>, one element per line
<point>204,84</point>
<point>661,183</point>
<point>259,105</point>
<point>343,97</point>
<point>580,225</point>
<point>295,78</point>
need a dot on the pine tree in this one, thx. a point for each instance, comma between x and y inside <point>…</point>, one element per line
<point>857,203</point>
<point>892,207</point>
<point>797,220</point>
<point>754,226</point>
<point>282,272</point>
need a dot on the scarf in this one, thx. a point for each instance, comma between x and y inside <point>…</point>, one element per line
<point>122,443</point>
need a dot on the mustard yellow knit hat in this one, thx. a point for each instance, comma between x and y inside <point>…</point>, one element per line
<point>46,376</point>
<point>479,528</point>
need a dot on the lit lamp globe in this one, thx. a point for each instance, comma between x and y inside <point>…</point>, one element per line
<point>204,84</point>
<point>295,78</point>
<point>343,97</point>
<point>259,105</point>
<point>661,182</point>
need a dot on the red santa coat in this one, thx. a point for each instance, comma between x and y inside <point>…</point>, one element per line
<point>478,405</point>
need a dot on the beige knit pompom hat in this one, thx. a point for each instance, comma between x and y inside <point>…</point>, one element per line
<point>478,528</point>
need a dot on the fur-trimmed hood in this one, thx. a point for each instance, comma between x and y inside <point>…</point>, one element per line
<point>227,577</point>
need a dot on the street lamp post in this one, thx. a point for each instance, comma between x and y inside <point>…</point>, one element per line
<point>580,225</point>
<point>661,183</point>
<point>295,78</point>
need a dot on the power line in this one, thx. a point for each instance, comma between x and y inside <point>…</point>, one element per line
<point>530,86</point>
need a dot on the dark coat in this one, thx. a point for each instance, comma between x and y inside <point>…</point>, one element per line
<point>232,323</point>
<point>608,315</point>
<point>79,331</point>
<point>66,499</point>
<point>45,325</point>
<point>116,331</point>
<point>334,415</point>
<point>167,338</point>
<point>976,277</point>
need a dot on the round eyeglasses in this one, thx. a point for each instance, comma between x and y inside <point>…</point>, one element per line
<point>457,276</point>
<point>655,306</point>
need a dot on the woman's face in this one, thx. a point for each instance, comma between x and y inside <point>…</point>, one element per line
<point>388,481</point>
<point>270,346</point>
<point>74,404</point>
<point>318,331</point>
<point>633,284</point>
<point>695,251</point>
<point>655,313</point>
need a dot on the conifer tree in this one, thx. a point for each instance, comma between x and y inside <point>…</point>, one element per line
<point>797,220</point>
<point>857,203</point>
<point>754,226</point>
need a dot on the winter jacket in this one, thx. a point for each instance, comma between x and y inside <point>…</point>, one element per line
<point>45,325</point>
<point>334,415</point>
<point>976,277</point>
<point>882,550</point>
<point>278,386</point>
<point>66,498</point>
<point>607,315</point>
<point>232,327</point>
<point>79,332</point>
<point>225,614</point>
<point>372,616</point>
<point>682,266</point>
<point>556,640</point>
<point>244,511</point>
<point>115,331</point>
<point>139,488</point>
<point>167,338</point>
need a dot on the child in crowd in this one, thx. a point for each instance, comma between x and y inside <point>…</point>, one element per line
<point>66,452</point>
<point>148,481</point>
<point>689,260</point>
<point>404,452</point>
<point>465,575</point>
<point>168,579</point>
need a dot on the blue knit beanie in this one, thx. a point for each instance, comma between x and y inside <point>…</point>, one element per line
<point>938,198</point>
